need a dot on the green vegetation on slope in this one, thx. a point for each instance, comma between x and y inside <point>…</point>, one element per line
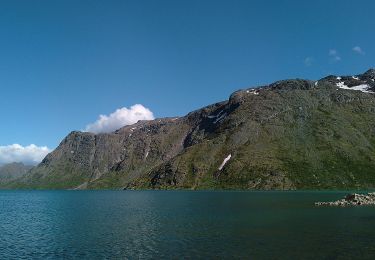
<point>292,134</point>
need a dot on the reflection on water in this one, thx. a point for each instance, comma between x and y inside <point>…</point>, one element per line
<point>175,224</point>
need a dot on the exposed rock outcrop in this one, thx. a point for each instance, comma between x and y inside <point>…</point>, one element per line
<point>352,199</point>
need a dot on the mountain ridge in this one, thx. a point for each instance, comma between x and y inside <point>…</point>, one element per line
<point>291,134</point>
<point>12,171</point>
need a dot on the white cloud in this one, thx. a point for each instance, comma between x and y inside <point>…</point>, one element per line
<point>121,117</point>
<point>358,50</point>
<point>334,55</point>
<point>332,52</point>
<point>308,61</point>
<point>30,154</point>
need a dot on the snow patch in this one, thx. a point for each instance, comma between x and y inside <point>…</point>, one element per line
<point>220,118</point>
<point>338,78</point>
<point>341,84</point>
<point>354,77</point>
<point>316,83</point>
<point>362,87</point>
<point>253,91</point>
<point>226,159</point>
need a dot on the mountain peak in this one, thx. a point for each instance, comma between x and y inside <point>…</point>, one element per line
<point>370,72</point>
<point>291,134</point>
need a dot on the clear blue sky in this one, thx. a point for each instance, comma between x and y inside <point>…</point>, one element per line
<point>62,63</point>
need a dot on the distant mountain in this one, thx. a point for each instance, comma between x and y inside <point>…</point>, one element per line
<point>292,134</point>
<point>10,172</point>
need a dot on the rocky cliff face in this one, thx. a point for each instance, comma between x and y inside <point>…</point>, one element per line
<point>292,134</point>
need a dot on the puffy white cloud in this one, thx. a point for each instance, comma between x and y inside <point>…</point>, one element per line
<point>30,154</point>
<point>121,117</point>
<point>358,50</point>
<point>334,55</point>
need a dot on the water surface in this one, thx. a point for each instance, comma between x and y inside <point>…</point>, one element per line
<point>176,224</point>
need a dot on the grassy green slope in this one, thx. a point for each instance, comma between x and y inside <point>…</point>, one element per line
<point>300,139</point>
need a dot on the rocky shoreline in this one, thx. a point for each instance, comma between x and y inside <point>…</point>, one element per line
<point>353,199</point>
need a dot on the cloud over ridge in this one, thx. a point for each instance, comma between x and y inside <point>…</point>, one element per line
<point>121,117</point>
<point>30,155</point>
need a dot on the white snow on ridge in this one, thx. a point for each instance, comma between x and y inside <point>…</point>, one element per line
<point>338,78</point>
<point>224,162</point>
<point>253,91</point>
<point>362,87</point>
<point>342,85</point>
<point>354,77</point>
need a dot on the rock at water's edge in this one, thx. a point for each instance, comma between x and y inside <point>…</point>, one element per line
<point>353,199</point>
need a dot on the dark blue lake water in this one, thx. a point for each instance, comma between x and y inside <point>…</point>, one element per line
<point>181,224</point>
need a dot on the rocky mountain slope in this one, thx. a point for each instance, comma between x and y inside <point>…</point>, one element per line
<point>12,171</point>
<point>292,134</point>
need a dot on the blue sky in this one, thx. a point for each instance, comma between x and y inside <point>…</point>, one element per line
<point>63,63</point>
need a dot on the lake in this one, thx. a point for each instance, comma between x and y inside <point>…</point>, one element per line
<point>182,224</point>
